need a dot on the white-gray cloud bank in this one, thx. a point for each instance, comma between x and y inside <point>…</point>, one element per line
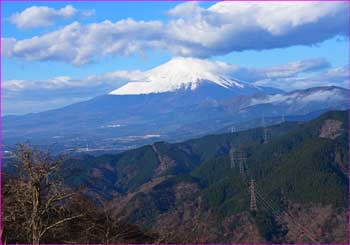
<point>190,31</point>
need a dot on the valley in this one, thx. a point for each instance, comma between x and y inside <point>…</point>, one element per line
<point>191,192</point>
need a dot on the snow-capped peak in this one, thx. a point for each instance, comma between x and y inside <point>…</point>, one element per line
<point>181,73</point>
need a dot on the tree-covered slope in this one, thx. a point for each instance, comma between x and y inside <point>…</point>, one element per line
<point>302,165</point>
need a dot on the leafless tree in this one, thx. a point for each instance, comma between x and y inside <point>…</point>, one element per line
<point>35,197</point>
<point>39,207</point>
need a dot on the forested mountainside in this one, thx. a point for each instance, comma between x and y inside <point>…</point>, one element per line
<point>286,183</point>
<point>196,190</point>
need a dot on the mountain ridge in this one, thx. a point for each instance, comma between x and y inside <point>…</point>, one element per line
<point>298,170</point>
<point>131,120</point>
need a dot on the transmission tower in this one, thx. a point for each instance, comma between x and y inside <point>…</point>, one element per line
<point>265,131</point>
<point>241,159</point>
<point>265,136</point>
<point>238,156</point>
<point>263,121</point>
<point>283,118</point>
<point>232,157</point>
<point>241,168</point>
<point>253,206</point>
<point>233,129</point>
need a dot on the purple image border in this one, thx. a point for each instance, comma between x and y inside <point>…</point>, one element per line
<point>101,1</point>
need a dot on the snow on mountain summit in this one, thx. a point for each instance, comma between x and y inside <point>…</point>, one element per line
<point>181,73</point>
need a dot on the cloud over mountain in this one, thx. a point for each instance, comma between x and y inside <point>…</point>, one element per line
<point>190,31</point>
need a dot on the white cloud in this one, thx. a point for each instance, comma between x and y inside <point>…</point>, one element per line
<point>331,94</point>
<point>292,69</point>
<point>191,31</point>
<point>41,16</point>
<point>108,80</point>
<point>332,77</point>
<point>39,95</point>
<point>238,26</point>
<point>80,44</point>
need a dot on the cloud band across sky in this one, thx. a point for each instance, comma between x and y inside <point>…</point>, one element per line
<point>191,30</point>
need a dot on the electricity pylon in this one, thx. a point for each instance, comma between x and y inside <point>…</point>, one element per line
<point>265,136</point>
<point>233,129</point>
<point>232,157</point>
<point>237,156</point>
<point>265,131</point>
<point>241,159</point>
<point>241,167</point>
<point>283,118</point>
<point>253,206</point>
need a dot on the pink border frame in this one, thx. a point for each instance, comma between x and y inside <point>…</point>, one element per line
<point>348,242</point>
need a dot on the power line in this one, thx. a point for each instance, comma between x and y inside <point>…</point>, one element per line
<point>308,233</point>
<point>240,157</point>
<point>278,213</point>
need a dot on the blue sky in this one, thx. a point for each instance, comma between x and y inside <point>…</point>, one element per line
<point>147,34</point>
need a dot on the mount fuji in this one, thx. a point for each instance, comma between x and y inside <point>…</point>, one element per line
<point>187,74</point>
<point>180,99</point>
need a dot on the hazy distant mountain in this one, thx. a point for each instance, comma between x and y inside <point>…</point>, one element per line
<point>177,100</point>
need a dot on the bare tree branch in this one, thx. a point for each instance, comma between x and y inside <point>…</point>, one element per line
<point>58,223</point>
